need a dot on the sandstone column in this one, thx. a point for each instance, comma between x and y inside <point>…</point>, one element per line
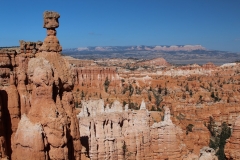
<point>51,117</point>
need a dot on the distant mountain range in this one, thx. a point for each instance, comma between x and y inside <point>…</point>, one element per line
<point>139,48</point>
<point>175,54</point>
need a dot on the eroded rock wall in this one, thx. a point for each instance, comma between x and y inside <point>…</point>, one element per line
<point>112,133</point>
<point>233,143</point>
<point>10,99</point>
<point>96,76</point>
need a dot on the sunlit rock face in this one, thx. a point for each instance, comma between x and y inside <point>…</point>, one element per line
<point>112,132</point>
<point>47,119</point>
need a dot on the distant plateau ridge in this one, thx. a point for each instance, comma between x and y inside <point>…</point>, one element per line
<point>175,54</point>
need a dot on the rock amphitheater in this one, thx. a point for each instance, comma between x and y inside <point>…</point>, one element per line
<point>51,108</point>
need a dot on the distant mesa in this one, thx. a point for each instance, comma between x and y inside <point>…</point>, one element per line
<point>143,48</point>
<point>179,48</point>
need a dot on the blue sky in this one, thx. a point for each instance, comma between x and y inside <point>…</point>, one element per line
<point>215,24</point>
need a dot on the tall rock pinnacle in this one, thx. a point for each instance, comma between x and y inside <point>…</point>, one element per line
<point>49,127</point>
<point>51,43</point>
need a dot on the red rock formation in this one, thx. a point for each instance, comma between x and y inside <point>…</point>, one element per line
<point>27,82</point>
<point>51,43</point>
<point>10,97</point>
<point>209,65</point>
<point>52,139</point>
<point>6,66</point>
<point>26,52</point>
<point>193,93</point>
<point>232,146</point>
<point>29,140</point>
<point>96,76</point>
<point>13,103</point>
<point>48,127</point>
